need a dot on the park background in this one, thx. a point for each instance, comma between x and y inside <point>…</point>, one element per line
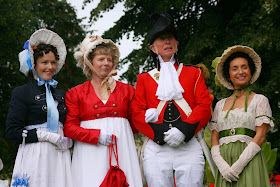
<point>206,29</point>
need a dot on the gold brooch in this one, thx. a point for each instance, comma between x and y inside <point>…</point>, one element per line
<point>156,75</point>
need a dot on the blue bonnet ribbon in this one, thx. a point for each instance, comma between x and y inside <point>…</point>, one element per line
<point>28,60</point>
<point>52,112</point>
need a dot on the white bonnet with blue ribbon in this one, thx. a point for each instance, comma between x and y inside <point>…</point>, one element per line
<point>43,36</point>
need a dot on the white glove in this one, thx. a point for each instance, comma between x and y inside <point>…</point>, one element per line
<point>62,143</point>
<point>105,138</point>
<point>151,115</point>
<point>224,168</point>
<point>173,137</point>
<point>248,154</point>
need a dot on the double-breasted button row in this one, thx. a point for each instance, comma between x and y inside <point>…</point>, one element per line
<point>114,105</point>
<point>98,115</point>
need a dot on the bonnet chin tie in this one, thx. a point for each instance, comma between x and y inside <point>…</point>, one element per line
<point>248,90</point>
<point>52,114</point>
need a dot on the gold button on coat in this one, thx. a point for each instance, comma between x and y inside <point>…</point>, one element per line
<point>96,106</point>
<point>114,105</point>
<point>97,115</point>
<point>115,113</point>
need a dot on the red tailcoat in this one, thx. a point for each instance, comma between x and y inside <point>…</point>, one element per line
<point>83,105</point>
<point>196,94</point>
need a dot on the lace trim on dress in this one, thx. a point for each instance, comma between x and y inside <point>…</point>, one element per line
<point>264,113</point>
<point>229,139</point>
<point>261,120</point>
<point>213,125</point>
<point>259,112</point>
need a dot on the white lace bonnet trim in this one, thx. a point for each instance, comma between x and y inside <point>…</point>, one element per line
<point>48,37</point>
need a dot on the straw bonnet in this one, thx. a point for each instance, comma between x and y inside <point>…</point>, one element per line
<point>227,53</point>
<point>87,46</point>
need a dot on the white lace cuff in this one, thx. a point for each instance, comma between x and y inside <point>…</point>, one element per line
<point>264,119</point>
<point>213,126</point>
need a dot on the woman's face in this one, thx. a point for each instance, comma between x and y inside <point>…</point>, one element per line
<point>103,64</point>
<point>46,66</point>
<point>239,72</point>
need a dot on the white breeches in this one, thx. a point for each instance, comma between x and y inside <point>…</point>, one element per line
<point>163,163</point>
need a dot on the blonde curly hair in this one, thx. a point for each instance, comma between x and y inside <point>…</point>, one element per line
<point>92,46</point>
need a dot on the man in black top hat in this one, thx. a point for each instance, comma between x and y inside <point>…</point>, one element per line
<point>170,106</point>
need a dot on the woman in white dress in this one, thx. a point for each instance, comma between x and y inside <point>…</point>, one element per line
<point>37,112</point>
<point>96,110</point>
<point>240,122</point>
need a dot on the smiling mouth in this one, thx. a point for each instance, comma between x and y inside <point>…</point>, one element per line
<point>48,72</point>
<point>241,78</point>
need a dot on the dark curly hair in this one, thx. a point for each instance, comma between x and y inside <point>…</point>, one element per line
<point>234,56</point>
<point>44,48</point>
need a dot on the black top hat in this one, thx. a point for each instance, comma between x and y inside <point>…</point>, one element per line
<point>162,23</point>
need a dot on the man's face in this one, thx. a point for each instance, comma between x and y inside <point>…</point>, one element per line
<point>165,45</point>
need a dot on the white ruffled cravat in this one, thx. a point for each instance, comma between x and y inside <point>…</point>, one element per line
<point>169,87</point>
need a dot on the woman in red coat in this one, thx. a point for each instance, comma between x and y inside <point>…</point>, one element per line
<point>96,110</point>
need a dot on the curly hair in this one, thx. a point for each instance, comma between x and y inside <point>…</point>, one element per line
<point>101,49</point>
<point>44,48</point>
<point>233,56</point>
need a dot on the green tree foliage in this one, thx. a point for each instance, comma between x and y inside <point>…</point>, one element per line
<point>206,29</point>
<point>18,20</point>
